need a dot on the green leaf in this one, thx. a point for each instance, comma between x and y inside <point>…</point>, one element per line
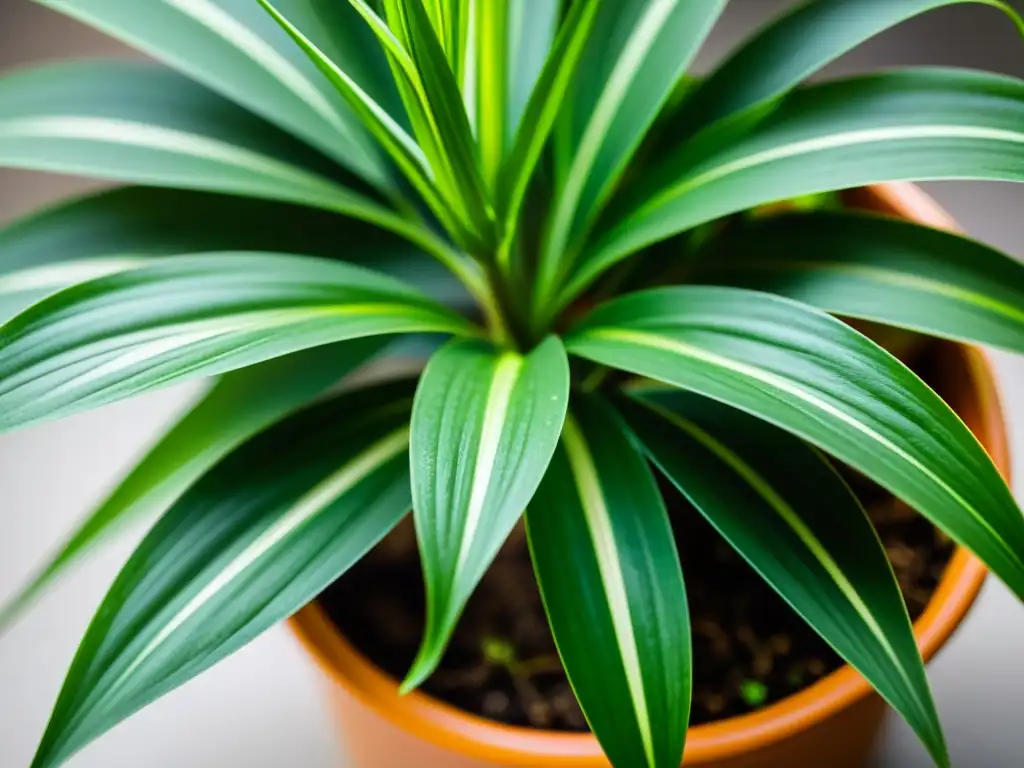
<point>609,574</point>
<point>783,507</point>
<point>135,122</point>
<point>256,539</point>
<point>434,103</point>
<point>532,26</point>
<point>407,80</point>
<point>911,125</point>
<point>239,405</point>
<point>402,147</point>
<point>542,109</point>
<point>115,230</point>
<point>635,55</point>
<point>484,427</point>
<point>20,290</point>
<point>816,377</point>
<point>486,97</point>
<point>795,46</point>
<point>877,269</point>
<point>231,47</point>
<point>442,99</point>
<point>507,48</point>
<point>451,21</point>
<point>192,316</point>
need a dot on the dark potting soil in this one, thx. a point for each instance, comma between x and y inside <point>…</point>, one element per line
<point>750,649</point>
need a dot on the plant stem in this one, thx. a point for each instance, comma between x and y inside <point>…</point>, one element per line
<point>512,325</point>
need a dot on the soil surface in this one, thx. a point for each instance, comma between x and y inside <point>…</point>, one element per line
<point>750,649</point>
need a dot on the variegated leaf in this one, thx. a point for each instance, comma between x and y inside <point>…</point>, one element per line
<point>135,122</point>
<point>256,539</point>
<point>816,377</point>
<point>609,574</point>
<point>637,52</point>
<point>784,508</point>
<point>233,48</point>
<point>540,114</point>
<point>236,407</point>
<point>877,269</point>
<point>908,125</point>
<point>484,427</point>
<point>795,46</point>
<point>109,339</point>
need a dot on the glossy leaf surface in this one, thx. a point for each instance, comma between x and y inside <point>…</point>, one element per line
<point>785,510</point>
<point>816,377</point>
<point>235,49</point>
<point>877,269</point>
<point>796,45</point>
<point>236,407</point>
<point>402,147</point>
<point>609,574</point>
<point>542,110</point>
<point>120,229</point>
<point>136,122</point>
<point>484,427</point>
<point>510,46</point>
<point>108,339</point>
<point>911,125</point>
<point>257,538</point>
<point>635,55</point>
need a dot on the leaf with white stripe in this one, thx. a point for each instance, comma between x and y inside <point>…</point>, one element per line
<point>435,108</point>
<point>910,125</point>
<point>103,233</point>
<point>262,534</point>
<point>878,269</point>
<point>540,113</point>
<point>635,56</point>
<point>484,427</point>
<point>816,377</point>
<point>231,47</point>
<point>795,46</point>
<point>609,574</point>
<point>402,147</point>
<point>508,45</point>
<point>193,316</point>
<point>140,123</point>
<point>236,407</point>
<point>786,510</point>
<point>457,160</point>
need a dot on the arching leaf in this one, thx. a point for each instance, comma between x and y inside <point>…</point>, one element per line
<point>609,574</point>
<point>236,407</point>
<point>484,427</point>
<point>816,377</point>
<point>783,507</point>
<point>257,538</point>
<point>877,269</point>
<point>911,125</point>
<point>108,339</point>
<point>795,46</point>
<point>233,48</point>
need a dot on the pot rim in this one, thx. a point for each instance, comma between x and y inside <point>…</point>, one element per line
<point>477,737</point>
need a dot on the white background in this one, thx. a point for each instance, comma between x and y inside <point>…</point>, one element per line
<point>263,708</point>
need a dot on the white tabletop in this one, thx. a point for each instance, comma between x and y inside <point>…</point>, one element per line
<point>263,707</point>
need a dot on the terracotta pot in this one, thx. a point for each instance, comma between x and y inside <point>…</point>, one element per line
<point>832,723</point>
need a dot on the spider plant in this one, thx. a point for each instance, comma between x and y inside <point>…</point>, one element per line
<point>522,183</point>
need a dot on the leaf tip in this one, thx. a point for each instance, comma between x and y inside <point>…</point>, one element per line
<point>423,667</point>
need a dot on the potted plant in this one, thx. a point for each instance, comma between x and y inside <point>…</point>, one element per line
<point>621,341</point>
